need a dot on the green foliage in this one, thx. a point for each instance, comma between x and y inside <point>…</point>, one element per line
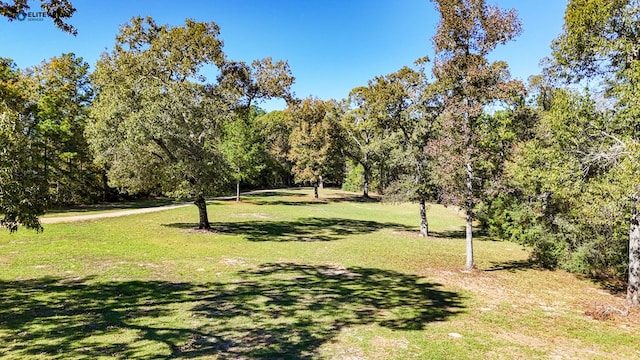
<point>561,201</point>
<point>388,126</point>
<point>600,38</point>
<point>23,185</point>
<point>57,10</point>
<point>275,129</point>
<point>61,92</point>
<point>158,124</point>
<point>354,179</point>
<point>574,185</point>
<point>467,32</point>
<point>316,142</point>
<point>367,136</point>
<point>242,148</point>
<point>46,159</point>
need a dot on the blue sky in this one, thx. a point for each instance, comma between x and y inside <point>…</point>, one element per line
<point>332,46</point>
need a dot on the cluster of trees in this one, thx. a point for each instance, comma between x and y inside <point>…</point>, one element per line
<point>45,157</point>
<point>556,170</point>
<point>571,190</point>
<point>554,167</point>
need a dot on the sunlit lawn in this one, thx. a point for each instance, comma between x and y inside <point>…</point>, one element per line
<point>283,276</point>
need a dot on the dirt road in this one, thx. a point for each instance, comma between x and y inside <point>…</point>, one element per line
<point>61,219</point>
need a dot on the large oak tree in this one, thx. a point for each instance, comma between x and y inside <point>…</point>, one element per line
<point>158,118</point>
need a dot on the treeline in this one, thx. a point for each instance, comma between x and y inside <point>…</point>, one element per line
<point>552,165</point>
<point>46,158</point>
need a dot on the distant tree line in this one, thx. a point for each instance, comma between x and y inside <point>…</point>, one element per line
<point>552,165</point>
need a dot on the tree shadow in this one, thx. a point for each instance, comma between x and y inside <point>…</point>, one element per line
<point>478,235</point>
<point>304,199</point>
<point>275,311</point>
<point>303,229</point>
<point>273,198</point>
<point>513,266</point>
<point>451,234</point>
<point>286,202</point>
<point>355,198</point>
<point>273,193</point>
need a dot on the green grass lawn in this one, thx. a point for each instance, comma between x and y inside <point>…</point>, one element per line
<point>284,276</point>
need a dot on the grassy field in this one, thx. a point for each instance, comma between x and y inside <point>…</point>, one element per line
<point>283,276</point>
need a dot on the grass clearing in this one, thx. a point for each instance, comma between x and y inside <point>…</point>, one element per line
<point>283,275</point>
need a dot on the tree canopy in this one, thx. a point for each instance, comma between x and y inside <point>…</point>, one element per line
<point>468,31</point>
<point>600,40</point>
<point>23,186</point>
<point>157,120</point>
<point>316,142</point>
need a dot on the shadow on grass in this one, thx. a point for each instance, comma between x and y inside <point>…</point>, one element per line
<point>478,235</point>
<point>451,234</point>
<point>304,229</point>
<point>257,198</point>
<point>272,193</point>
<point>355,198</point>
<point>275,311</point>
<point>286,202</point>
<point>513,266</point>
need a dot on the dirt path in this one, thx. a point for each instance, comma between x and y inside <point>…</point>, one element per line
<point>64,219</point>
<point>54,220</point>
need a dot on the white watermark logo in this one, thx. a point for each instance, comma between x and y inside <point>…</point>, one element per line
<point>32,15</point>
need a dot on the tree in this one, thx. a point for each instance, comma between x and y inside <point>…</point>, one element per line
<point>44,114</point>
<point>61,92</point>
<point>57,10</point>
<point>315,142</point>
<point>363,134</point>
<point>243,149</point>
<point>543,183</point>
<point>157,122</point>
<point>23,186</point>
<point>397,111</point>
<point>275,131</point>
<point>601,40</point>
<point>414,106</point>
<point>468,31</point>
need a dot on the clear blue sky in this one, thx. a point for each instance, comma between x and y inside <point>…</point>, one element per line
<point>332,46</point>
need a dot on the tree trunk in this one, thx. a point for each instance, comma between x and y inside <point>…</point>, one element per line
<point>365,186</point>
<point>469,210</point>
<point>238,191</point>
<point>382,179</point>
<point>202,211</point>
<point>315,190</point>
<point>633,287</point>
<point>424,225</point>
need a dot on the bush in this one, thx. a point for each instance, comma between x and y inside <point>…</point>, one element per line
<point>354,180</point>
